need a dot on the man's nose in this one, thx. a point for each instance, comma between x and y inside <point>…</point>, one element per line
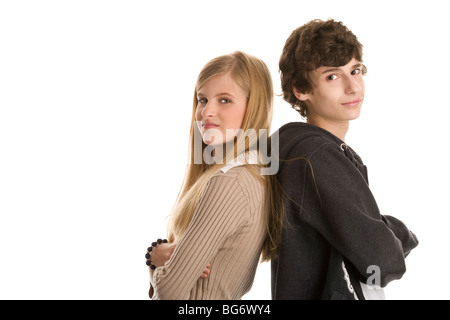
<point>352,86</point>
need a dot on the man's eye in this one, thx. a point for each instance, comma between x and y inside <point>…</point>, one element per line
<point>332,77</point>
<point>356,71</point>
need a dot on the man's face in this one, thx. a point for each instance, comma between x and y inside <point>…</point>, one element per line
<point>337,95</point>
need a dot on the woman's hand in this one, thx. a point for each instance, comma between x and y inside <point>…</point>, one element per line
<point>162,253</point>
<point>206,271</point>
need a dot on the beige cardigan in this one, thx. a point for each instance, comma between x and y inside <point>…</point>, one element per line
<point>227,230</point>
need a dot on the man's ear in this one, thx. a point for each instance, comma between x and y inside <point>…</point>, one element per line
<point>299,95</point>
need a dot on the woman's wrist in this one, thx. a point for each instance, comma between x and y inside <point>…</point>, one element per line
<point>148,255</point>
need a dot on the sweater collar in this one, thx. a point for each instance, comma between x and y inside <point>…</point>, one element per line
<point>249,157</point>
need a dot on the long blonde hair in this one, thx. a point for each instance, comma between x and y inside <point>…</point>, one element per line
<point>252,75</point>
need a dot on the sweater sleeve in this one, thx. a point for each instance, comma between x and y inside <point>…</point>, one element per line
<point>220,212</point>
<point>349,217</point>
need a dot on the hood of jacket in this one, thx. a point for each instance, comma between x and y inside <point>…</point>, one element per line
<point>292,134</point>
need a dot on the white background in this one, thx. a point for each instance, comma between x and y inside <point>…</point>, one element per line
<point>95,105</point>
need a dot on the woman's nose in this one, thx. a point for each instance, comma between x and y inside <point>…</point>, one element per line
<point>209,110</point>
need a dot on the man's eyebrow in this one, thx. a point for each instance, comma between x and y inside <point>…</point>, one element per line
<point>358,65</point>
<point>330,70</point>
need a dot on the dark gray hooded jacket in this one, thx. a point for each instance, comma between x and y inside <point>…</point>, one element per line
<point>335,236</point>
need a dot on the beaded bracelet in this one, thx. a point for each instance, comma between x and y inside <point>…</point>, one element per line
<point>149,249</point>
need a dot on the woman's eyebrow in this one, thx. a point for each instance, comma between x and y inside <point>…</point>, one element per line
<point>225,94</point>
<point>217,94</point>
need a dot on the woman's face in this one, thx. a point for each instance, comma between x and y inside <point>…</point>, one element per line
<point>220,109</point>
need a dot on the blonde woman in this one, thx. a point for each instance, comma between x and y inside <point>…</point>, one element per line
<point>227,215</point>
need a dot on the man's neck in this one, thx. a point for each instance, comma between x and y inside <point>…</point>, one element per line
<point>339,129</point>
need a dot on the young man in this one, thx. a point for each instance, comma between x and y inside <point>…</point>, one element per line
<point>335,242</point>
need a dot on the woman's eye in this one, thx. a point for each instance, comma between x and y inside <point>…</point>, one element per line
<point>332,77</point>
<point>203,100</point>
<point>225,101</point>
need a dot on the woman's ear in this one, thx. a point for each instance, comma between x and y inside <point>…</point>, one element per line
<point>299,95</point>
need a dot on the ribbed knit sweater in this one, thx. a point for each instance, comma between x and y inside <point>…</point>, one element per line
<point>227,230</point>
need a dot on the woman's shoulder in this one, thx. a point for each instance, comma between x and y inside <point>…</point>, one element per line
<point>241,173</point>
<point>245,177</point>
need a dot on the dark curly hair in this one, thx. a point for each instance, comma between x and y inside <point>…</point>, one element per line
<point>315,44</point>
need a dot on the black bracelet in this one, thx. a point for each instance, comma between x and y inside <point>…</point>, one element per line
<point>148,254</point>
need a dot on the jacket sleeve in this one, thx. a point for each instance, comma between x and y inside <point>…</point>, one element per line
<point>219,213</point>
<point>349,217</point>
<point>401,231</point>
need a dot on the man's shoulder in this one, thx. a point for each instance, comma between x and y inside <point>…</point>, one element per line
<point>301,139</point>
